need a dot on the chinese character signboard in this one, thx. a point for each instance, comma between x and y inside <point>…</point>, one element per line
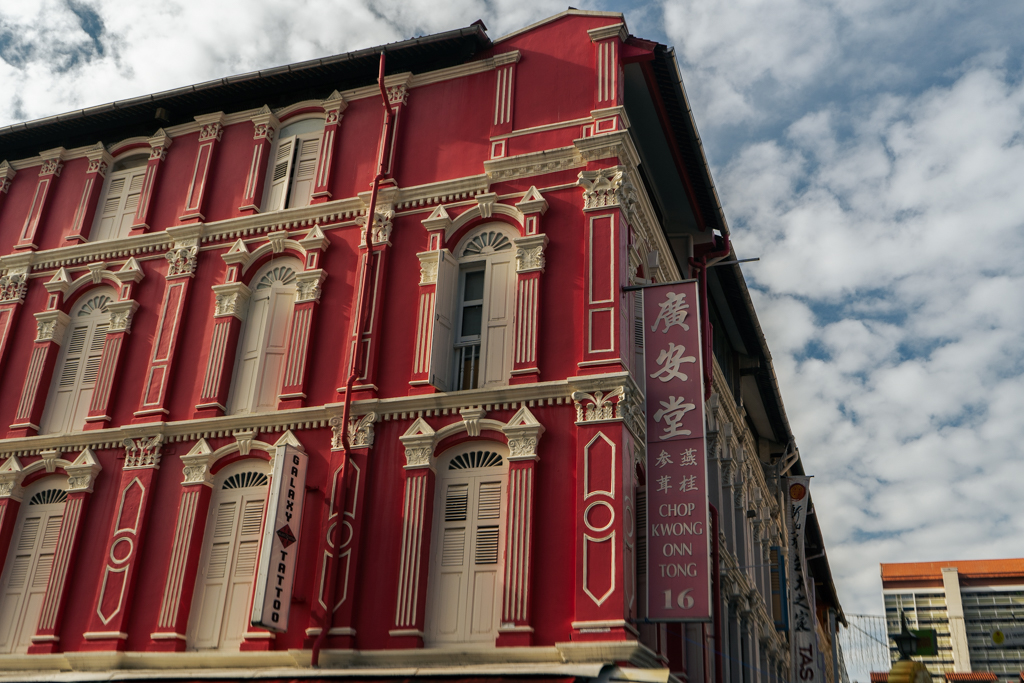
<point>280,541</point>
<point>678,539</point>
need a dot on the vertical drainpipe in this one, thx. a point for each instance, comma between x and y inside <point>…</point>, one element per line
<point>716,593</point>
<point>383,157</point>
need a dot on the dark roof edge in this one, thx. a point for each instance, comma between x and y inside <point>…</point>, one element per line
<point>701,170</point>
<point>476,29</point>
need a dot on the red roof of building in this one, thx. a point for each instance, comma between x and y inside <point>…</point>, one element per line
<point>970,571</point>
<point>974,676</point>
<point>879,677</point>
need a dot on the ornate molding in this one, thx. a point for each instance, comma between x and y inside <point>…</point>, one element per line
<point>419,445</point>
<point>530,253</point>
<point>196,464</point>
<point>308,284</point>
<point>10,476</point>
<point>534,163</point>
<point>607,188</point>
<point>360,432</point>
<point>398,94</point>
<point>159,144</point>
<point>211,131</point>
<point>182,261</point>
<point>50,326</point>
<point>523,432</point>
<point>598,406</point>
<point>13,287</point>
<point>429,264</point>
<point>231,300</point>
<point>380,232</point>
<point>121,315</point>
<point>7,174</point>
<point>143,453</point>
<point>82,472</point>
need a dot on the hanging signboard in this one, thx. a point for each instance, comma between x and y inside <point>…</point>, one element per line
<point>807,655</point>
<point>678,539</point>
<point>278,551</point>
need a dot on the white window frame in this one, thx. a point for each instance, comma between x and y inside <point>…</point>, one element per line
<point>490,261</point>
<point>121,218</point>
<point>79,381</point>
<point>289,191</point>
<point>210,612</point>
<point>250,385</point>
<point>19,620</point>
<point>478,560</point>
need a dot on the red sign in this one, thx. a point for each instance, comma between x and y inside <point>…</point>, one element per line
<point>678,539</point>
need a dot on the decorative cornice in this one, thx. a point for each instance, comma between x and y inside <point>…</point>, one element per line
<point>534,163</point>
<point>510,397</point>
<point>611,31</point>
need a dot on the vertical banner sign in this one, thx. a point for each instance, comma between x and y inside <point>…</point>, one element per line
<point>278,549</point>
<point>804,636</point>
<point>678,543</point>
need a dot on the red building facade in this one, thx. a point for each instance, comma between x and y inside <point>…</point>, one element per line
<point>180,287</point>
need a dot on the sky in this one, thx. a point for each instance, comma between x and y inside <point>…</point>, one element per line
<point>869,152</point>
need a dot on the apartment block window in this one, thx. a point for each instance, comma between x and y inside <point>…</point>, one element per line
<point>290,177</point>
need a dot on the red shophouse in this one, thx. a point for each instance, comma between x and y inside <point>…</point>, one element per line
<point>181,290</point>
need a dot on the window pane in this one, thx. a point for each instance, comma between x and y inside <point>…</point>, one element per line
<point>474,290</point>
<point>472,316</point>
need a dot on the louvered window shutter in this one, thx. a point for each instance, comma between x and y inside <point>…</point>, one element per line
<point>282,301</point>
<point>305,170</point>
<point>639,374</point>
<point>62,405</point>
<point>495,356</point>
<point>442,339</point>
<point>107,216</point>
<point>131,202</point>
<point>641,548</point>
<point>221,601</point>
<point>27,574</point>
<point>277,190</point>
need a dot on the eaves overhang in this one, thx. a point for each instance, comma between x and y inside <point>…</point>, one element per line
<point>278,86</point>
<point>682,131</point>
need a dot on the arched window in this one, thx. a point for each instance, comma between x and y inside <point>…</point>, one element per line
<point>27,569</point>
<point>467,545</point>
<point>227,565</point>
<point>259,363</point>
<point>120,199</point>
<point>78,364</point>
<point>293,165</point>
<point>483,315</point>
